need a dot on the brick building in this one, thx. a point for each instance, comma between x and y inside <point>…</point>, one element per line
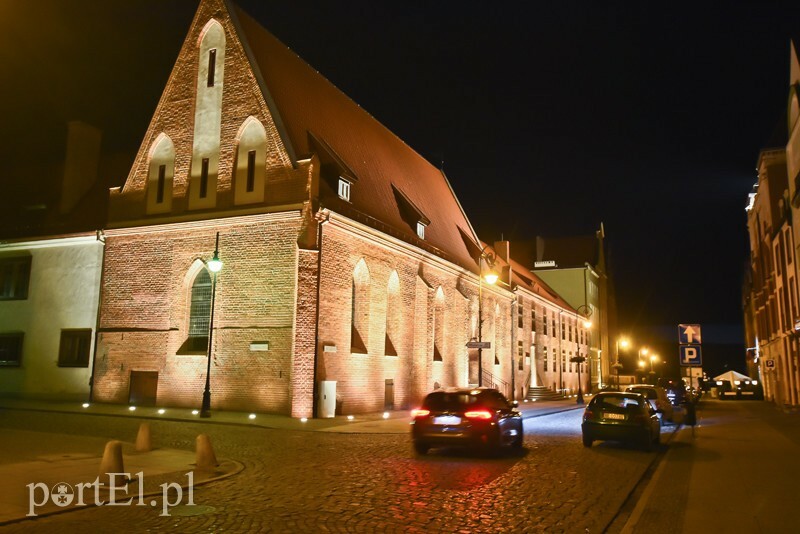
<point>347,257</point>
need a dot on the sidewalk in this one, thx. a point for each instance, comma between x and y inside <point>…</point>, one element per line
<point>392,422</point>
<point>36,474</point>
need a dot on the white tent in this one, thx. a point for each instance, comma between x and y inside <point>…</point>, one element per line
<point>732,376</point>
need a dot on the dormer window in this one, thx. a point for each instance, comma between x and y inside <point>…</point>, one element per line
<point>344,189</point>
<point>420,230</point>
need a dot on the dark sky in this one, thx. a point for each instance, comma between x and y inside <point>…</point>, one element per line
<point>550,118</point>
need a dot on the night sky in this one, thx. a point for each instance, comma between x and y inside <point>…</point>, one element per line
<point>548,118</point>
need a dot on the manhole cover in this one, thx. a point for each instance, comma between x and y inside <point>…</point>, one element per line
<point>185,510</point>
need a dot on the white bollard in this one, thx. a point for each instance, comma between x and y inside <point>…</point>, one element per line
<point>143,442</point>
<point>205,458</point>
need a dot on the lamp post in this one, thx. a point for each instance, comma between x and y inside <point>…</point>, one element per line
<point>623,343</point>
<point>578,359</point>
<point>491,278</point>
<point>653,360</point>
<point>214,265</point>
<point>642,358</point>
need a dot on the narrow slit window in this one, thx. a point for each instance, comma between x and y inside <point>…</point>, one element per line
<point>251,171</point>
<point>204,179</point>
<point>212,66</point>
<point>162,172</point>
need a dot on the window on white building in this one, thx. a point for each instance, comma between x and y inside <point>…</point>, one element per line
<point>74,348</point>
<point>11,349</point>
<point>15,275</point>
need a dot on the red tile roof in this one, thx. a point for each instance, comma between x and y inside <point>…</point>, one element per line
<point>308,105</point>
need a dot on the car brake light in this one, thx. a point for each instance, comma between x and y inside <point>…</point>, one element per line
<point>479,414</point>
<point>588,414</point>
<point>420,412</point>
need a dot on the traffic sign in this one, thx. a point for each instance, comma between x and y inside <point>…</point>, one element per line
<point>688,334</point>
<point>691,355</point>
<point>479,344</point>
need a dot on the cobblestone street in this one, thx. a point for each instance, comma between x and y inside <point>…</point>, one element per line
<point>298,481</point>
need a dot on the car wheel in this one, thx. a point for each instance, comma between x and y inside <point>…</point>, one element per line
<point>421,447</point>
<point>518,439</point>
<point>587,441</point>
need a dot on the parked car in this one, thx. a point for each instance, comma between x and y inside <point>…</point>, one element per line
<point>657,397</point>
<point>676,390</point>
<point>621,416</point>
<point>466,417</point>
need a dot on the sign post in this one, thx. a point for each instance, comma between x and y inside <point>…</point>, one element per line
<point>690,352</point>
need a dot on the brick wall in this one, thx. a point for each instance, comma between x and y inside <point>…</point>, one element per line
<point>144,315</point>
<point>361,377</point>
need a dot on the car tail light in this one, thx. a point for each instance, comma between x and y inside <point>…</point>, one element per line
<point>420,412</point>
<point>588,414</point>
<point>479,414</point>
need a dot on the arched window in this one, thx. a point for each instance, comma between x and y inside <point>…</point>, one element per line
<point>250,170</point>
<point>359,311</point>
<point>392,314</point>
<point>160,170</point>
<point>494,334</point>
<point>207,117</point>
<point>200,312</point>
<point>438,326</point>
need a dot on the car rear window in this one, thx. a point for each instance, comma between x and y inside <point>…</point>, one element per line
<point>617,401</point>
<point>449,401</point>
<point>647,392</point>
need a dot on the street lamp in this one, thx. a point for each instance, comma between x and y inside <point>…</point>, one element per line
<point>642,358</point>
<point>214,265</point>
<point>578,359</point>
<point>621,342</point>
<point>491,279</point>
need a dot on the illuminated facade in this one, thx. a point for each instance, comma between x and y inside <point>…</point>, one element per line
<point>347,257</point>
<point>772,300</point>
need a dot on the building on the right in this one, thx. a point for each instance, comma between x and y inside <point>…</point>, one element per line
<point>575,267</point>
<point>770,295</point>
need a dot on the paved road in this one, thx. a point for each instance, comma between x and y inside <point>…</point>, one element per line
<point>297,481</point>
<point>738,472</point>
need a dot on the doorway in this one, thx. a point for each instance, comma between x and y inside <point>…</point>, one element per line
<point>143,388</point>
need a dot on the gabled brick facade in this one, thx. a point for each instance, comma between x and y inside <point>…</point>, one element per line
<point>249,143</point>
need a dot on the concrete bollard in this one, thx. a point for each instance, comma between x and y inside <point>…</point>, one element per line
<point>205,458</point>
<point>143,442</point>
<point>112,463</point>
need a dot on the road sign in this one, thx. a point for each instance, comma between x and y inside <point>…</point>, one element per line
<point>688,334</point>
<point>691,355</point>
<point>479,344</point>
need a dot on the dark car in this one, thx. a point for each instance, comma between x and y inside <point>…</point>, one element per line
<point>618,416</point>
<point>466,417</point>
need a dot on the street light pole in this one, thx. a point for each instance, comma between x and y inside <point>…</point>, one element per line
<point>580,359</point>
<point>491,278</point>
<point>617,365</point>
<point>214,265</point>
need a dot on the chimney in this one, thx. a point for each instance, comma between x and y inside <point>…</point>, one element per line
<point>502,249</point>
<point>80,165</point>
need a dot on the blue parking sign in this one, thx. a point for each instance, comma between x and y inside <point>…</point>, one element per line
<point>691,355</point>
<point>689,334</point>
